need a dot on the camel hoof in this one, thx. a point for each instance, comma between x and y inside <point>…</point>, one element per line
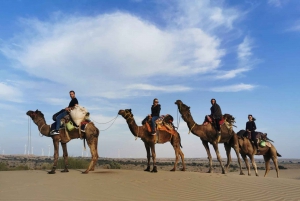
<point>242,173</point>
<point>154,170</point>
<point>183,169</point>
<point>173,170</point>
<point>147,169</point>
<point>51,172</point>
<point>85,172</point>
<point>65,170</point>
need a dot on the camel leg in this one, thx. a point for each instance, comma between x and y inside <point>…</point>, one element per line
<point>205,144</point>
<point>92,143</point>
<point>228,150</point>
<point>267,164</point>
<point>182,159</point>
<point>153,158</point>
<point>55,144</point>
<point>247,163</point>
<point>215,145</point>
<point>148,157</point>
<point>65,155</point>
<point>96,153</point>
<point>237,152</point>
<point>275,161</point>
<point>254,164</point>
<point>176,157</point>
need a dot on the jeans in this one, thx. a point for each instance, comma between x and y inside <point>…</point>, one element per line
<point>59,117</point>
<point>153,125</point>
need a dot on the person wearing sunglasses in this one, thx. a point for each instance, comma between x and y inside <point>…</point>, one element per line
<point>155,110</point>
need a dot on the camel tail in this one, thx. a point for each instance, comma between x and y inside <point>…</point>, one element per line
<point>180,140</point>
<point>84,143</point>
<point>278,154</point>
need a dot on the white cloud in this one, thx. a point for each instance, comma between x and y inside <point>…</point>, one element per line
<point>121,55</point>
<point>112,50</point>
<point>233,88</point>
<point>295,27</point>
<point>10,93</point>
<point>276,3</point>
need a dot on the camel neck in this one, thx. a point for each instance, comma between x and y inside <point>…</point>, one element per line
<point>43,127</point>
<point>134,128</point>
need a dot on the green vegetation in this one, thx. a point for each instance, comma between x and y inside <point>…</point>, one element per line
<point>74,163</point>
<point>4,167</point>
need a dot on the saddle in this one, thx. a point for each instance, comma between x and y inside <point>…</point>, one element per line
<point>163,123</point>
<point>262,139</point>
<point>68,122</point>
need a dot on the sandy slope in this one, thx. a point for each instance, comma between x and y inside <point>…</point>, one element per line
<point>131,185</point>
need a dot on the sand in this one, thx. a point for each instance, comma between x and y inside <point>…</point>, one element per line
<point>103,184</point>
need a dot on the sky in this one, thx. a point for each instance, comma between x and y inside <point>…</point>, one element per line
<point>121,54</point>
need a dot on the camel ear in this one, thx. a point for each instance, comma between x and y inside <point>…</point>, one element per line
<point>129,110</point>
<point>36,110</point>
<point>189,107</point>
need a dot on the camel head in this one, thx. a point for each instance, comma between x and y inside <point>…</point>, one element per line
<point>35,114</point>
<point>125,113</point>
<point>184,110</point>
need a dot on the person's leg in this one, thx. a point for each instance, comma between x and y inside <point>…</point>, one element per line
<point>58,118</point>
<point>253,138</point>
<point>217,122</point>
<point>153,123</point>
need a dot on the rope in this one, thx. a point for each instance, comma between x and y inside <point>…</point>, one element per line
<point>110,124</point>
<point>178,119</point>
<point>192,128</point>
<point>105,122</point>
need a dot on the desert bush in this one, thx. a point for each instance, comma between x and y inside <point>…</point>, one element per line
<point>3,167</point>
<point>73,163</point>
<point>281,167</point>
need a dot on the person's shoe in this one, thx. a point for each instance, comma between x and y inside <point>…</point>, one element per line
<point>153,133</point>
<point>56,132</point>
<point>219,137</point>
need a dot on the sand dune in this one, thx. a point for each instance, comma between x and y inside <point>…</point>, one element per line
<point>128,185</point>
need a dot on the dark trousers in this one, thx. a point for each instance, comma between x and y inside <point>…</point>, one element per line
<point>253,138</point>
<point>217,122</point>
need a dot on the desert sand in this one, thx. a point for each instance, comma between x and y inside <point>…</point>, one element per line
<point>112,184</point>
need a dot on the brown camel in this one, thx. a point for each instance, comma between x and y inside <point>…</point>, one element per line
<point>246,149</point>
<point>150,140</point>
<point>90,134</point>
<point>208,134</point>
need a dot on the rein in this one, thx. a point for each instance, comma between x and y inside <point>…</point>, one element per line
<point>114,119</point>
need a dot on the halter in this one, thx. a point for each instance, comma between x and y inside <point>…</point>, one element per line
<point>129,117</point>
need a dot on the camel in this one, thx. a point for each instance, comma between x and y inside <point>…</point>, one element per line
<point>150,140</point>
<point>246,149</point>
<point>90,134</point>
<point>208,134</point>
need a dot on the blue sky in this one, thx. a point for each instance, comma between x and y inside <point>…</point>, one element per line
<point>123,54</point>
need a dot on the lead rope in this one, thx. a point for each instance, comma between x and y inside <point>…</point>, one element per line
<point>114,119</point>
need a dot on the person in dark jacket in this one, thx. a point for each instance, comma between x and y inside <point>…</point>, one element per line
<point>250,128</point>
<point>72,104</point>
<point>155,110</point>
<point>216,114</point>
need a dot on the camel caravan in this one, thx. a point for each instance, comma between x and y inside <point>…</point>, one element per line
<point>73,122</point>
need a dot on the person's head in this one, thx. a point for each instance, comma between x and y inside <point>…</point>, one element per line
<point>213,101</point>
<point>72,94</point>
<point>155,101</point>
<point>250,117</point>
